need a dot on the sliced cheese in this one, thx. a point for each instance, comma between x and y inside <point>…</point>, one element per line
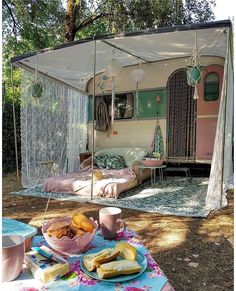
<point>127,251</point>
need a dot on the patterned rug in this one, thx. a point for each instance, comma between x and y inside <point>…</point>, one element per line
<point>179,196</point>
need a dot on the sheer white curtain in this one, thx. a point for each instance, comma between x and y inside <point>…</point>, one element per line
<point>221,175</point>
<point>46,125</point>
<point>77,128</point>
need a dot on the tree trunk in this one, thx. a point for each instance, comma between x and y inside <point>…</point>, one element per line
<point>70,29</point>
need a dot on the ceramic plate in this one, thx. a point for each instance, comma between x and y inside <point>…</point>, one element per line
<point>141,259</point>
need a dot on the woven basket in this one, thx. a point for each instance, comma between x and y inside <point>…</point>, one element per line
<point>66,245</point>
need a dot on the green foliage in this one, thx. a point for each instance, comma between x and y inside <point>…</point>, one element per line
<point>40,23</point>
<point>8,145</point>
<point>28,25</point>
<point>156,155</point>
<point>199,11</point>
<point>133,15</point>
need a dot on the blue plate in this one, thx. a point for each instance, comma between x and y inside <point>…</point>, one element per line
<point>141,259</point>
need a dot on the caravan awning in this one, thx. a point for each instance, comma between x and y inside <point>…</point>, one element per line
<point>73,63</point>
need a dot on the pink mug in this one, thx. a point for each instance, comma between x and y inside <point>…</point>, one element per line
<point>111,222</point>
<point>13,252</point>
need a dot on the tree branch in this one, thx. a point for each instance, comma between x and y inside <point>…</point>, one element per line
<point>90,20</point>
<point>15,25</point>
<point>93,17</point>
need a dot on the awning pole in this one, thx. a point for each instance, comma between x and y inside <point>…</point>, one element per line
<point>225,112</point>
<point>93,111</point>
<point>14,125</point>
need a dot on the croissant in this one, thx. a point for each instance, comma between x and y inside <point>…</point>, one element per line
<point>92,261</point>
<point>116,268</point>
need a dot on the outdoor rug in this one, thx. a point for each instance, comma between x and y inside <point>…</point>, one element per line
<point>180,196</point>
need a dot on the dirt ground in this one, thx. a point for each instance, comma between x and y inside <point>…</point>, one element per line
<point>174,242</point>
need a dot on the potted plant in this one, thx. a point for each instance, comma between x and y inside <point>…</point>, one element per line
<point>37,89</point>
<point>153,159</point>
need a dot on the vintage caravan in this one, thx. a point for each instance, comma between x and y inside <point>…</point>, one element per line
<point>164,99</point>
<point>121,90</point>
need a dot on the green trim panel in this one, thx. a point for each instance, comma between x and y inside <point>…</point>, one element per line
<point>149,107</point>
<point>90,108</point>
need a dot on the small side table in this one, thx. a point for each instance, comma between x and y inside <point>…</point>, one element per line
<point>153,173</point>
<point>44,165</point>
<point>178,169</point>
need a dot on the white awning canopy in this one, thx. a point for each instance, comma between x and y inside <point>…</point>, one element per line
<point>73,63</point>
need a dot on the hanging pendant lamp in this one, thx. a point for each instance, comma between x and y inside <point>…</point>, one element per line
<point>137,76</point>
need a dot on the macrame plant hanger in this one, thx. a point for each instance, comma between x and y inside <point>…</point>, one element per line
<point>194,69</point>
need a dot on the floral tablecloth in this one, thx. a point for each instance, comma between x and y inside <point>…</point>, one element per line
<point>152,279</point>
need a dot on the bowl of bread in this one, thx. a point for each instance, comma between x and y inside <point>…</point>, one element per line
<point>70,235</point>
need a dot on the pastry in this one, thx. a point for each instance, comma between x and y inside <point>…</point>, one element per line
<point>79,220</point>
<point>127,251</point>
<point>92,261</point>
<point>58,229</point>
<point>116,268</point>
<point>77,231</point>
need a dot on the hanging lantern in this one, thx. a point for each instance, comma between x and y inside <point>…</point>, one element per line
<point>113,69</point>
<point>137,76</point>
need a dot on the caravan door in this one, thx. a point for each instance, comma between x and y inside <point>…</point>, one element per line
<point>207,112</point>
<point>181,118</point>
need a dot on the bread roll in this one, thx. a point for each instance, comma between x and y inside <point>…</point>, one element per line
<point>79,220</point>
<point>77,231</point>
<point>127,251</point>
<point>116,268</point>
<point>58,229</point>
<point>92,261</point>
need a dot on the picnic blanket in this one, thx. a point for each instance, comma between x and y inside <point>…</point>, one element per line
<point>152,279</point>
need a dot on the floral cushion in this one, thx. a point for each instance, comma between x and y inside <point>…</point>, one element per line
<point>115,162</point>
<point>101,161</point>
<point>110,162</point>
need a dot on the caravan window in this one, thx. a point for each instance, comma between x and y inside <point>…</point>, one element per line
<point>123,105</point>
<point>211,88</point>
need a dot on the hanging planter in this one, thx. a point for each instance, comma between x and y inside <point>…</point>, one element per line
<point>194,75</point>
<point>37,89</point>
<point>194,70</point>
